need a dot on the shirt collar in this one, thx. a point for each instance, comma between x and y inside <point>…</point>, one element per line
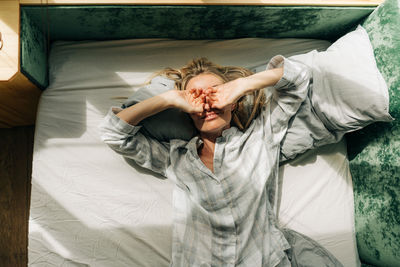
<point>196,141</point>
<point>229,132</point>
<point>193,143</point>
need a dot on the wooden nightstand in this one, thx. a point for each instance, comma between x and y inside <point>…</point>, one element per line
<point>18,96</point>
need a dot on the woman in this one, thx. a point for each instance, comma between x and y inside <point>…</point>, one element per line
<point>225,176</point>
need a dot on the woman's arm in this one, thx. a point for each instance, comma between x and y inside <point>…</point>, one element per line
<point>187,101</point>
<point>287,95</point>
<point>262,79</point>
<point>289,83</point>
<point>288,78</point>
<point>228,93</point>
<point>120,129</point>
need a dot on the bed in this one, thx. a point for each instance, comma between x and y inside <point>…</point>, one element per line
<point>92,207</point>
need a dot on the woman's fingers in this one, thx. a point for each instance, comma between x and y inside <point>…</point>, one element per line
<point>199,102</point>
<point>199,92</point>
<point>211,89</point>
<point>212,97</point>
<point>194,91</point>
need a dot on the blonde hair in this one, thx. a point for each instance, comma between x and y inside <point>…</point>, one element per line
<point>241,115</point>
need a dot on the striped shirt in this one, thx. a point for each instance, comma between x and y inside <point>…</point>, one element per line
<point>225,218</point>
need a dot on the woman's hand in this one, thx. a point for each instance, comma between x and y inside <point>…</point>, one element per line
<point>225,94</point>
<point>228,93</point>
<point>189,101</point>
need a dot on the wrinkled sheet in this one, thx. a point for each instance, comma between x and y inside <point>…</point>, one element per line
<point>91,207</point>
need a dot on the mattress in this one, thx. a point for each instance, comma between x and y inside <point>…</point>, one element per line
<point>92,207</point>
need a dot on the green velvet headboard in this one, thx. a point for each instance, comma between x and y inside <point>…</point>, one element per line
<point>41,25</point>
<point>374,152</point>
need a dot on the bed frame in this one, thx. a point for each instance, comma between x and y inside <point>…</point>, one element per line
<point>28,27</point>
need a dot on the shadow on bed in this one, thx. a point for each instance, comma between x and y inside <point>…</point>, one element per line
<point>140,169</point>
<point>357,141</point>
<point>114,244</point>
<point>82,245</point>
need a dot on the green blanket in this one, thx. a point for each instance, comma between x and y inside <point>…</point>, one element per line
<point>375,151</point>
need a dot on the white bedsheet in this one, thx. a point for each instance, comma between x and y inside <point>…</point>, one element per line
<point>90,207</point>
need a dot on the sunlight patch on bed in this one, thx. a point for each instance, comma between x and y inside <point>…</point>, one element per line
<point>134,78</point>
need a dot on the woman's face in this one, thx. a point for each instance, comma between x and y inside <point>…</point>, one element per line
<point>211,120</point>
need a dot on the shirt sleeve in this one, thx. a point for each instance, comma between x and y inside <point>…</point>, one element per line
<point>287,95</point>
<point>125,139</point>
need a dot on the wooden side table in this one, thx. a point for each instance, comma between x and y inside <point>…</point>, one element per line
<point>18,96</point>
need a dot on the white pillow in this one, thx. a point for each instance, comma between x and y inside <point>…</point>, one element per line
<point>348,90</point>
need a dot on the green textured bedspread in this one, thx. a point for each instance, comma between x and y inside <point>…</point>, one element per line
<point>375,151</point>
